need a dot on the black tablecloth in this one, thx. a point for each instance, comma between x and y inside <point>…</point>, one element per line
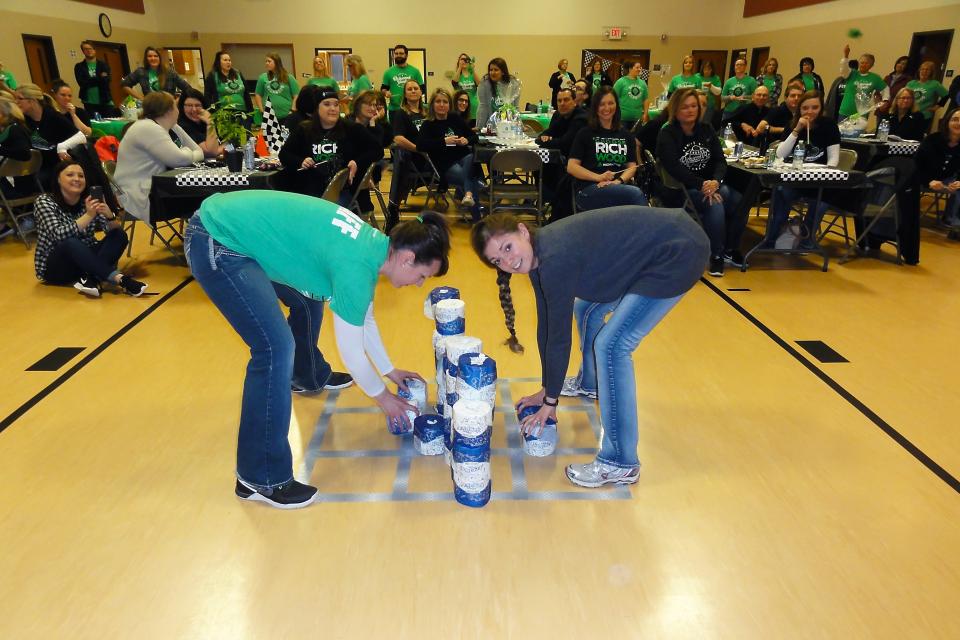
<point>169,200</point>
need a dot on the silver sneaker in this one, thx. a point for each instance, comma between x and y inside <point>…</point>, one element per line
<point>571,388</point>
<point>596,474</point>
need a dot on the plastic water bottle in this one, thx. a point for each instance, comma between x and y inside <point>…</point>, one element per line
<point>883,130</point>
<point>729,140</point>
<point>248,155</point>
<point>799,151</point>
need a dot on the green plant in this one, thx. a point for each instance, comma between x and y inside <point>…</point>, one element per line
<point>230,122</point>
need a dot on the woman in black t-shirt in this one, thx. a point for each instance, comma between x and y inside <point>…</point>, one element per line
<point>77,116</point>
<point>194,119</point>
<point>407,162</point>
<point>904,119</point>
<point>822,146</point>
<point>603,157</point>
<point>50,133</point>
<point>369,110</point>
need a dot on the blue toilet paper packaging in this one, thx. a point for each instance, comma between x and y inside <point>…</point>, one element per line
<point>542,445</point>
<point>471,475</point>
<point>428,435</point>
<point>477,378</point>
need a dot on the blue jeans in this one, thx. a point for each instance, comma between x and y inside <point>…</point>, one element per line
<point>460,174</point>
<point>783,199</point>
<point>246,297</point>
<point>719,219</point>
<point>613,195</point>
<point>608,366</point>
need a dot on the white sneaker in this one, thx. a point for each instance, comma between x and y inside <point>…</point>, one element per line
<point>88,286</point>
<point>572,389</point>
<point>468,201</point>
<point>596,474</point>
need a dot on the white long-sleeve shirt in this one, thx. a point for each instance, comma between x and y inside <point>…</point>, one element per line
<point>358,346</point>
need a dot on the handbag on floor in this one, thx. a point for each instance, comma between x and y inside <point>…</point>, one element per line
<point>791,233</point>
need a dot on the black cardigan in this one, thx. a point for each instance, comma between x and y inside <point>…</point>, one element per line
<point>932,160</point>
<point>99,81</point>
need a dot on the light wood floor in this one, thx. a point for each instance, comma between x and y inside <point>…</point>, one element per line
<point>769,504</point>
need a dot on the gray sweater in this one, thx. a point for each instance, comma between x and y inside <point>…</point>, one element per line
<point>600,256</point>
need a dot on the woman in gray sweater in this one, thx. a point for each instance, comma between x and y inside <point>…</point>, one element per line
<point>633,263</point>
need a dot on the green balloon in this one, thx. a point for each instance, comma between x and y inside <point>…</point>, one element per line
<point>854,33</point>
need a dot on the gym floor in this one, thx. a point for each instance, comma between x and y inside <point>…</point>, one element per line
<point>783,494</point>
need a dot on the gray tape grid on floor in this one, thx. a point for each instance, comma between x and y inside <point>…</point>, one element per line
<point>405,453</point>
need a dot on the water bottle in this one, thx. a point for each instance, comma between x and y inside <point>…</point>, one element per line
<point>729,140</point>
<point>883,130</point>
<point>248,155</point>
<point>799,150</point>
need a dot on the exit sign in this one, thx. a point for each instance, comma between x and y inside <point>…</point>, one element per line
<point>616,33</point>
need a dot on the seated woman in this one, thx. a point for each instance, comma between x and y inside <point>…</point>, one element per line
<point>226,83</point>
<point>147,149</point>
<point>50,133</point>
<point>68,252</point>
<point>938,166</point>
<point>446,138</point>
<point>195,121</point>
<point>809,123</point>
<point>904,119</point>
<point>461,107</point>
<point>323,145</point>
<point>63,96</point>
<point>14,144</point>
<point>691,153</point>
<point>496,89</point>
<point>750,123</point>
<point>407,161</point>
<point>369,110</point>
<point>153,76</point>
<point>603,157</point>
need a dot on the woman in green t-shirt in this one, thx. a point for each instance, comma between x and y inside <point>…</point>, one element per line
<point>711,85</point>
<point>278,85</point>
<point>321,77</point>
<point>226,83</point>
<point>929,94</point>
<point>772,80</point>
<point>7,79</point>
<point>466,78</point>
<point>361,82</point>
<point>686,78</point>
<point>247,249</point>
<point>597,77</point>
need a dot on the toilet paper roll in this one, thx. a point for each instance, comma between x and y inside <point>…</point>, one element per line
<point>471,475</point>
<point>435,296</point>
<point>481,440</point>
<point>397,427</point>
<point>544,444</point>
<point>477,378</point>
<point>456,346</point>
<point>416,391</point>
<point>471,417</point>
<point>450,317</point>
<point>428,435</point>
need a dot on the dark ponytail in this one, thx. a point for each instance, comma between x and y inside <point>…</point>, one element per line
<point>427,236</point>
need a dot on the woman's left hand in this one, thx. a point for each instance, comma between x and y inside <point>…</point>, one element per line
<point>536,398</point>
<point>352,168</point>
<point>533,425</point>
<point>63,155</point>
<point>398,376</point>
<point>205,117</point>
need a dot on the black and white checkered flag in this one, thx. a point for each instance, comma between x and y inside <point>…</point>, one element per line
<point>274,133</point>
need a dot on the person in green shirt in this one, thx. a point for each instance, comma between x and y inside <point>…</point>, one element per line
<point>772,80</point>
<point>737,90</point>
<point>597,77</point>
<point>6,78</point>
<point>686,78</point>
<point>246,249</point>
<point>321,77</point>
<point>224,82</point>
<point>466,79</point>
<point>929,94</point>
<point>277,85</point>
<point>710,84</point>
<point>811,81</point>
<point>632,94</point>
<point>860,80</point>
<point>396,76</point>
<point>152,76</point>
<point>359,82</point>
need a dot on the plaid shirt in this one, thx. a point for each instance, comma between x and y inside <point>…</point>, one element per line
<point>56,224</point>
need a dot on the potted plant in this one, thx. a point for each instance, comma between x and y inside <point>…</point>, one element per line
<point>230,122</point>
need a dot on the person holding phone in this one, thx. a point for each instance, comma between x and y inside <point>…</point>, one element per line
<point>68,252</point>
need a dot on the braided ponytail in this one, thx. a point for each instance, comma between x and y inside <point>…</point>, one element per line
<point>509,313</point>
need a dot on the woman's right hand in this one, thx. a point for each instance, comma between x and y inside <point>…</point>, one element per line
<point>802,123</point>
<point>308,163</point>
<point>936,185</point>
<point>395,407</point>
<point>94,207</point>
<point>606,176</point>
<point>535,399</point>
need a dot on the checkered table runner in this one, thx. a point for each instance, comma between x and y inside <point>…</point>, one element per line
<point>749,153</point>
<point>212,177</point>
<point>902,148</point>
<point>543,153</point>
<point>813,175</point>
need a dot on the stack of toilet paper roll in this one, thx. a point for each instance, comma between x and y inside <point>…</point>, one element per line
<point>435,296</point>
<point>449,322</point>
<point>471,452</point>
<point>455,346</point>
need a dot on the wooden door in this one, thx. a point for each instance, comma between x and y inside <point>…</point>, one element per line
<point>115,55</point>
<point>735,55</point>
<point>41,61</point>
<point>933,46</point>
<point>758,60</point>
<point>718,57</point>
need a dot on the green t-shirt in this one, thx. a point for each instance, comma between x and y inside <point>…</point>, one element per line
<point>93,93</point>
<point>631,94</point>
<point>359,85</point>
<point>926,94</point>
<point>857,83</point>
<point>468,84</point>
<point>808,82</point>
<point>713,80</point>
<point>738,87</point>
<point>595,79</point>
<point>770,82</point>
<point>281,95</point>
<point>8,79</point>
<point>394,78</point>
<point>233,90</point>
<point>324,82</point>
<point>680,81</point>
<point>317,247</point>
<point>153,81</point>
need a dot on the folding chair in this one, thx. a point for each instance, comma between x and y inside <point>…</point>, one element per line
<point>406,169</point>
<point>517,174</point>
<point>336,185</point>
<point>20,207</point>
<point>368,183</point>
<point>847,161</point>
<point>671,183</point>
<point>881,212</point>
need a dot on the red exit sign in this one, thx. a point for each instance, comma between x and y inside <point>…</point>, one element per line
<point>616,33</point>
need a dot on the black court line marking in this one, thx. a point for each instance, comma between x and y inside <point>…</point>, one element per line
<point>738,289</point>
<point>56,359</point>
<point>884,426</point>
<point>821,351</point>
<point>50,388</point>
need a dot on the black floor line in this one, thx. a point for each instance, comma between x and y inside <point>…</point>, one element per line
<point>56,359</point>
<point>50,388</point>
<point>897,437</point>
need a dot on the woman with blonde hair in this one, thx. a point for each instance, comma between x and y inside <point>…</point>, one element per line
<point>904,119</point>
<point>560,79</point>
<point>686,79</point>
<point>14,144</point>
<point>771,80</point>
<point>321,77</point>
<point>50,133</point>
<point>277,85</point>
<point>152,76</point>
<point>361,82</point>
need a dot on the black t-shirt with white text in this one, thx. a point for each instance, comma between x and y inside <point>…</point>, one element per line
<point>823,135</point>
<point>600,150</point>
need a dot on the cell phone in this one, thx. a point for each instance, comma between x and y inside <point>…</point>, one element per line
<point>96,192</point>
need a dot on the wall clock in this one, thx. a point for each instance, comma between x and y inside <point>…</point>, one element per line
<point>105,27</point>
